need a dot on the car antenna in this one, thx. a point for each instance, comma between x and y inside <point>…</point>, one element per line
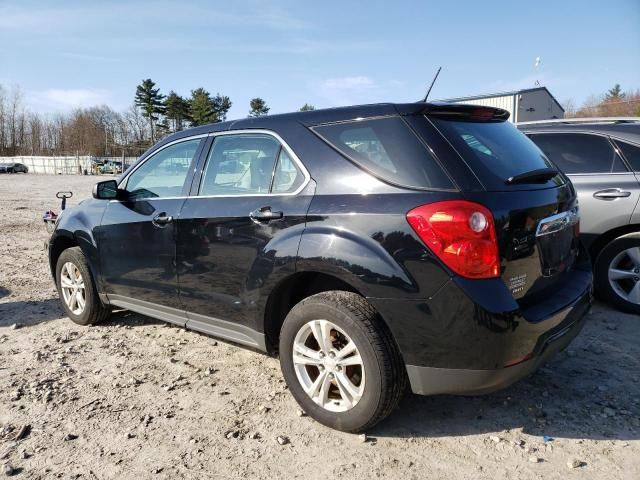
<point>431,86</point>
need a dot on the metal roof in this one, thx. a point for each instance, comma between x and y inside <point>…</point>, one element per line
<point>504,94</point>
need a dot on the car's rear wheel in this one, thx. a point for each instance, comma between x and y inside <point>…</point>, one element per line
<point>340,361</point>
<point>617,273</point>
<point>77,289</point>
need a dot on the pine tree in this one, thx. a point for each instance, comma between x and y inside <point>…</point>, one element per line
<point>201,107</point>
<point>258,107</point>
<point>221,104</point>
<point>150,101</point>
<point>307,108</point>
<point>162,128</point>
<point>177,110</point>
<point>615,93</point>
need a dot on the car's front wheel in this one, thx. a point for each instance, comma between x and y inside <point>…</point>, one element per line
<point>340,362</point>
<point>617,273</point>
<point>77,290</point>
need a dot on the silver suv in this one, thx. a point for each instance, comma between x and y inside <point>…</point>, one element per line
<point>602,159</point>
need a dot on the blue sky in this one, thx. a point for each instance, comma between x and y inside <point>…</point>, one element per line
<point>67,54</point>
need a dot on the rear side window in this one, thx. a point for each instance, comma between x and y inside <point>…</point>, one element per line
<point>389,150</point>
<point>631,153</point>
<point>576,153</point>
<point>495,151</point>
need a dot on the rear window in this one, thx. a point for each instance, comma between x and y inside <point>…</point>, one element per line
<point>494,150</point>
<point>388,149</point>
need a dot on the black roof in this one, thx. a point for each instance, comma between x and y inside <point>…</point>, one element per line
<point>308,118</point>
<point>321,116</point>
<point>326,115</point>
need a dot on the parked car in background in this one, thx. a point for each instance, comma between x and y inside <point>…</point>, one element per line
<point>602,159</point>
<point>113,168</point>
<point>367,246</point>
<point>12,167</point>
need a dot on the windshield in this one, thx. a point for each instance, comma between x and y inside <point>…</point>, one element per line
<point>495,151</point>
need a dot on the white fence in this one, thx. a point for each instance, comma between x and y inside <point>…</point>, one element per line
<point>65,165</point>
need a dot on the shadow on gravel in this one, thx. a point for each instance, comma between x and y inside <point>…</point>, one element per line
<point>27,313</point>
<point>561,400</point>
<point>589,391</point>
<point>125,317</point>
<point>4,292</point>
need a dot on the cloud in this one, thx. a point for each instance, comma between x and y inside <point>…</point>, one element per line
<point>348,83</point>
<point>89,57</point>
<point>349,90</point>
<point>124,16</point>
<point>67,99</point>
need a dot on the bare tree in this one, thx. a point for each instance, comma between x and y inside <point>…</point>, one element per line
<point>569,108</point>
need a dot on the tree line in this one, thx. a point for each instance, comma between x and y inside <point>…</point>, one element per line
<point>613,103</point>
<point>102,131</point>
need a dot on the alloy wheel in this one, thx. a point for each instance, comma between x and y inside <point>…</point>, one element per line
<point>328,366</point>
<point>73,290</point>
<point>624,274</point>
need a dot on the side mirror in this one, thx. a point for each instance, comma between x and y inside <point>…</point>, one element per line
<point>107,190</point>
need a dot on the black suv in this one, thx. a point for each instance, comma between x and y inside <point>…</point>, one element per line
<point>367,246</point>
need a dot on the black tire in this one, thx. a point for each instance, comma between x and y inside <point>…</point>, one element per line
<point>94,311</point>
<point>603,288</point>
<point>384,369</point>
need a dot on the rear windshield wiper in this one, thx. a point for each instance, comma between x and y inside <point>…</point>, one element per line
<point>534,176</point>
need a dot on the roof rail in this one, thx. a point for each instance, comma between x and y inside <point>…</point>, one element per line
<point>569,121</point>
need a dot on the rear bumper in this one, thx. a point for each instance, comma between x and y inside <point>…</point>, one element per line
<point>434,380</point>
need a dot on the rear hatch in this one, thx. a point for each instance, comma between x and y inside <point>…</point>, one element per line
<point>534,206</point>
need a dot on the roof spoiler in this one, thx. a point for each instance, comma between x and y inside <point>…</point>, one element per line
<point>459,111</point>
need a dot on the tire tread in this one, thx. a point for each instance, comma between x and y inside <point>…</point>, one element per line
<point>387,352</point>
<point>97,311</point>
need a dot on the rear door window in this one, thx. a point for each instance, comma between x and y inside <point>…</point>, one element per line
<point>388,149</point>
<point>250,164</point>
<point>631,153</point>
<point>495,151</point>
<point>240,164</point>
<point>576,153</point>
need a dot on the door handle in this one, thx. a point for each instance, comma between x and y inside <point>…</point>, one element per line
<point>611,194</point>
<point>265,214</point>
<point>162,219</point>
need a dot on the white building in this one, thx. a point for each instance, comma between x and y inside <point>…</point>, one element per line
<point>523,105</point>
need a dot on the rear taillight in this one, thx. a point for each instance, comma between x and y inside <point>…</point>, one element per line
<point>461,234</point>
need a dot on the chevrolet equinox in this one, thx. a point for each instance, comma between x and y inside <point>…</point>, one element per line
<point>370,247</point>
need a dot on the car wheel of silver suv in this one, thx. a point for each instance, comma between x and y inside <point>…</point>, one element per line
<point>617,273</point>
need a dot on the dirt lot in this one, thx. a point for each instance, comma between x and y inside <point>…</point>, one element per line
<point>134,398</point>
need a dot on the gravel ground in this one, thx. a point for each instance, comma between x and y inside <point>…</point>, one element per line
<point>135,398</point>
